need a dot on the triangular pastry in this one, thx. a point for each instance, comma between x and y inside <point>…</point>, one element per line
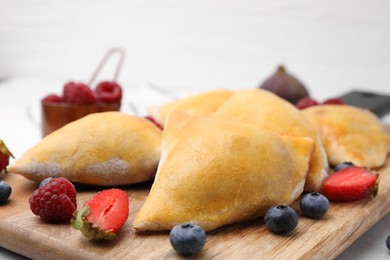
<point>350,134</point>
<point>266,110</point>
<point>200,104</point>
<point>214,172</point>
<point>108,148</point>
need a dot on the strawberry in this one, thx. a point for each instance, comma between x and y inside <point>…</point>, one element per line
<point>5,154</point>
<point>306,102</point>
<point>103,215</point>
<point>333,101</point>
<point>351,184</point>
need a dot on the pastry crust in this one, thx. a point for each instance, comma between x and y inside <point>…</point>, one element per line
<point>200,104</point>
<point>109,148</point>
<point>215,172</point>
<point>266,110</point>
<point>350,134</point>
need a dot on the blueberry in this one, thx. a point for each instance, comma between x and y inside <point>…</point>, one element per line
<point>44,181</point>
<point>388,242</point>
<point>187,239</point>
<point>343,165</point>
<point>281,219</point>
<point>314,205</point>
<point>5,191</point>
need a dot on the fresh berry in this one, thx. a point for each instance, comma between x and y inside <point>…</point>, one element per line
<point>108,92</point>
<point>306,102</point>
<point>187,239</point>
<point>55,201</point>
<point>388,242</point>
<point>103,215</point>
<point>5,154</point>
<point>350,184</point>
<point>151,119</point>
<point>52,98</point>
<point>333,101</point>
<point>45,181</point>
<point>343,165</point>
<point>314,205</point>
<point>78,93</point>
<point>5,192</point>
<point>281,219</point>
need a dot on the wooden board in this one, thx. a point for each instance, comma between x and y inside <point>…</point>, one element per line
<point>26,234</point>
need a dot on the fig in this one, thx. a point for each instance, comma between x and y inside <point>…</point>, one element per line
<point>285,86</point>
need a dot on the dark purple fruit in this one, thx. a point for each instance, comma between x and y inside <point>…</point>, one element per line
<point>285,86</point>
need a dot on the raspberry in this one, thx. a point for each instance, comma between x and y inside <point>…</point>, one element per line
<point>78,93</point>
<point>333,101</point>
<point>306,102</point>
<point>55,201</point>
<point>109,92</point>
<point>52,98</point>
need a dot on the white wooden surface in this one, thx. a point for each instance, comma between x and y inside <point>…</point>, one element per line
<point>189,46</point>
<point>200,44</point>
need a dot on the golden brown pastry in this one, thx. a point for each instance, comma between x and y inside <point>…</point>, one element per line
<point>266,110</point>
<point>215,172</point>
<point>200,104</point>
<point>109,148</point>
<point>350,134</point>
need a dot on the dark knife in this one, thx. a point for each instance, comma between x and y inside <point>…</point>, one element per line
<point>377,103</point>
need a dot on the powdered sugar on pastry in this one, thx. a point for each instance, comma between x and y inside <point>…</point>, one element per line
<point>40,170</point>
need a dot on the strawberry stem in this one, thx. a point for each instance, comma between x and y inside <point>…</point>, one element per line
<point>89,230</point>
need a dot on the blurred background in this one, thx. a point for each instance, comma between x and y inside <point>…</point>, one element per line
<point>194,45</point>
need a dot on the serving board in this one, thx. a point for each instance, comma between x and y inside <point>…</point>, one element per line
<point>326,238</point>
